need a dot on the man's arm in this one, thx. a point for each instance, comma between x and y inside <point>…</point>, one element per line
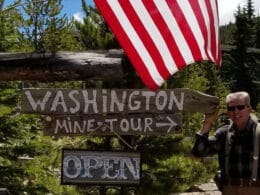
<point>203,144</point>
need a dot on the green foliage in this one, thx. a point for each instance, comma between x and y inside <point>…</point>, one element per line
<point>239,66</point>
<point>94,33</point>
<point>258,32</point>
<point>10,21</point>
<point>251,23</point>
<point>165,147</point>
<point>59,32</point>
<point>175,174</point>
<point>226,34</point>
<point>30,162</point>
<point>45,29</point>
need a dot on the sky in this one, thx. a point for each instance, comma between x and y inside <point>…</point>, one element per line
<point>227,8</point>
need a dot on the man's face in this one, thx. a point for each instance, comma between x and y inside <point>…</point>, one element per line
<point>239,112</point>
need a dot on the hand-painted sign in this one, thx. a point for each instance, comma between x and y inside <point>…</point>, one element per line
<point>112,101</point>
<point>108,125</point>
<point>100,168</point>
<point>108,111</point>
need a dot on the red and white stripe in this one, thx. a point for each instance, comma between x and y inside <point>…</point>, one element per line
<point>162,36</point>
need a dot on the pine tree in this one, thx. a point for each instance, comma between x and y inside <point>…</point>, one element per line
<point>34,25</point>
<point>45,27</point>
<point>29,161</point>
<point>226,34</point>
<point>258,32</point>
<point>251,25</point>
<point>237,66</point>
<point>10,21</point>
<point>1,5</point>
<point>15,136</point>
<point>59,34</point>
<point>94,32</point>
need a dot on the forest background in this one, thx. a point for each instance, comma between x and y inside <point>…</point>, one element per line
<point>30,162</point>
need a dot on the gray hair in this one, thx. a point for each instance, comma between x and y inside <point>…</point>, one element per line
<point>243,95</point>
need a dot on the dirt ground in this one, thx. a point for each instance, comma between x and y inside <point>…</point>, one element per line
<point>203,189</point>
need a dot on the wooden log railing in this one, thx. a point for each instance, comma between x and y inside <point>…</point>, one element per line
<point>63,66</point>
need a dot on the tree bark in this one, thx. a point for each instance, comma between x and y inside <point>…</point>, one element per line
<point>109,65</point>
<point>62,66</point>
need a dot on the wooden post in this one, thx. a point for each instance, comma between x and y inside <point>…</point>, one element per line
<point>102,190</point>
<point>123,190</point>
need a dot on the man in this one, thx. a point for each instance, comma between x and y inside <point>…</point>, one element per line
<point>235,146</point>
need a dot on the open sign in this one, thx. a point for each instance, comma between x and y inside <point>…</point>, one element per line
<point>92,167</point>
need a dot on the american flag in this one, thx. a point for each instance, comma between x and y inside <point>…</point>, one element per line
<point>160,37</point>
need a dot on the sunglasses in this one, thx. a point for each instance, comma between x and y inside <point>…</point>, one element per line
<point>239,107</point>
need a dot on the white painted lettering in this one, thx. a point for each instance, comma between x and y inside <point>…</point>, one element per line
<point>101,167</point>
<point>147,95</point>
<point>75,101</point>
<point>78,127</point>
<point>134,104</point>
<point>60,126</point>
<point>89,102</point>
<point>104,98</point>
<point>70,125</point>
<point>116,103</point>
<point>91,123</point>
<point>109,168</point>
<point>173,99</point>
<point>138,126</point>
<point>111,123</point>
<point>124,125</point>
<point>90,163</point>
<point>161,100</point>
<point>148,122</point>
<point>59,101</point>
<point>126,162</point>
<point>34,104</point>
<point>102,101</point>
<point>72,166</point>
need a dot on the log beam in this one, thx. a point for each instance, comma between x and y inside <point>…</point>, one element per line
<point>107,65</point>
<point>63,66</point>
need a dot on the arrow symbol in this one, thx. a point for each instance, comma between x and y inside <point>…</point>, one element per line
<point>171,124</point>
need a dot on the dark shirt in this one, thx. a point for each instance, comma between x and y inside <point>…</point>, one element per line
<point>241,148</point>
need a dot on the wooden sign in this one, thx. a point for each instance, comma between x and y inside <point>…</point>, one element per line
<point>112,124</point>
<point>100,168</point>
<point>107,101</point>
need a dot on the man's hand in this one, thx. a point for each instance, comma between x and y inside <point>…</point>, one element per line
<point>208,121</point>
<point>210,118</point>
